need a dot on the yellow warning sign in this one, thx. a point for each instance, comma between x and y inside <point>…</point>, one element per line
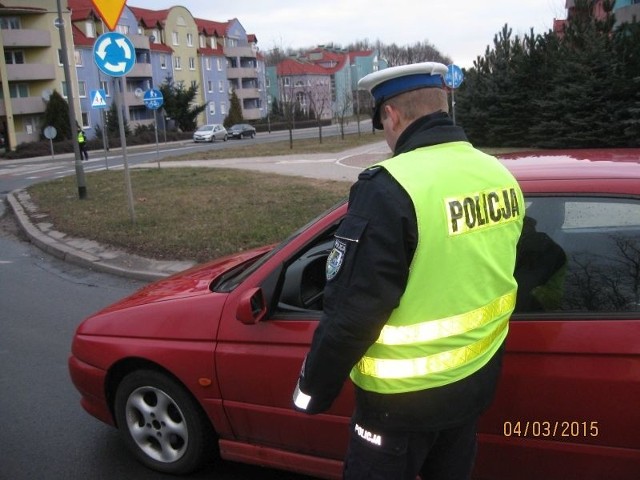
<point>110,11</point>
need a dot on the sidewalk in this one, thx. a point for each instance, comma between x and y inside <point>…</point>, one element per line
<point>99,257</point>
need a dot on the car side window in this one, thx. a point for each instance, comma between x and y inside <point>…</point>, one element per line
<point>579,254</point>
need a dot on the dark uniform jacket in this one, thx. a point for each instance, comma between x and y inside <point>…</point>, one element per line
<point>378,239</point>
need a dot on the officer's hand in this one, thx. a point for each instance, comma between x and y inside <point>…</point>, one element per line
<point>305,402</point>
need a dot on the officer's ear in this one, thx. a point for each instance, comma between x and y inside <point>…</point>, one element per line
<point>390,117</point>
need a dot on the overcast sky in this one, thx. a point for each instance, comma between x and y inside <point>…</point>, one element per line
<point>459,29</point>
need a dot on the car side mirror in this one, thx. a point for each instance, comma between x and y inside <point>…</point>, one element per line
<point>251,307</point>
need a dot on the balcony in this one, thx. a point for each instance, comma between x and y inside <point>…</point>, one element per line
<point>140,70</point>
<point>252,113</point>
<point>131,99</point>
<point>140,42</point>
<point>26,38</point>
<point>30,71</point>
<point>242,73</point>
<point>248,93</point>
<point>24,106</point>
<point>239,52</point>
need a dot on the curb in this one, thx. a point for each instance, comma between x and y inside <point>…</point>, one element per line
<point>19,201</point>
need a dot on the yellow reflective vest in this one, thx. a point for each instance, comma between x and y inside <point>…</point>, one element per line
<point>454,313</point>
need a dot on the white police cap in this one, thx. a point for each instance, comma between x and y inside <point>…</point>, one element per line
<point>390,82</point>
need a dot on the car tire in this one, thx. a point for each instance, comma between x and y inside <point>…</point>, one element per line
<point>225,138</point>
<point>162,424</point>
<point>252,135</point>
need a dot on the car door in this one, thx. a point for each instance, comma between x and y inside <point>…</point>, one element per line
<point>566,406</point>
<point>258,362</point>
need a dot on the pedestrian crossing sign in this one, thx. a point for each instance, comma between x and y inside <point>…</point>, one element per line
<point>98,99</point>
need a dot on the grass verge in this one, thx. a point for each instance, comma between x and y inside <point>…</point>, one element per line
<point>198,214</point>
<point>187,213</point>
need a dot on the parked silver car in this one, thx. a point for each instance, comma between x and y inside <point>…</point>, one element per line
<point>210,133</point>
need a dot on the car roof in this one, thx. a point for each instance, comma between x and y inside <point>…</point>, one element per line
<point>574,164</point>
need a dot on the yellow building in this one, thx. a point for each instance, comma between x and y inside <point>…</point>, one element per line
<point>31,67</point>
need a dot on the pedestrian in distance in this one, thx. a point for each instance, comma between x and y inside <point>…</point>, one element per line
<point>419,290</point>
<point>82,142</point>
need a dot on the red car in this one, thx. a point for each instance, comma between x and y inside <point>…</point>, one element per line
<point>213,354</point>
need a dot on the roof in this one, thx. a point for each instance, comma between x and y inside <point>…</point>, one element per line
<point>607,166</point>
<point>290,67</point>
<point>150,18</point>
<point>210,27</point>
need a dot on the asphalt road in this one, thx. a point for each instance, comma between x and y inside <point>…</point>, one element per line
<point>44,432</point>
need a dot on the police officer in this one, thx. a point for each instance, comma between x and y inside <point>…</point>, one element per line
<point>82,143</point>
<point>419,290</point>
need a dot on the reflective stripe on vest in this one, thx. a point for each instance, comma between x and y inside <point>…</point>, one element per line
<point>446,327</point>
<point>439,362</point>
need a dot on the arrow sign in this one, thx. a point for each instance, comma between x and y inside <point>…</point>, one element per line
<point>113,53</point>
<point>110,11</point>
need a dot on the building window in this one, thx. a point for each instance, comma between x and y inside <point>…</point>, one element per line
<point>219,64</point>
<point>221,86</point>
<point>175,38</point>
<point>163,62</point>
<point>10,23</point>
<point>13,57</point>
<point>82,89</point>
<point>90,29</point>
<point>209,86</point>
<point>123,29</point>
<point>202,41</point>
<point>190,39</point>
<point>85,119</point>
<point>177,64</point>
<point>207,63</point>
<point>192,63</point>
<point>18,90</point>
<point>212,108</point>
<point>77,56</point>
<point>156,36</point>
<point>287,82</point>
<point>223,109</point>
<point>104,85</point>
<point>194,84</point>
<point>31,125</point>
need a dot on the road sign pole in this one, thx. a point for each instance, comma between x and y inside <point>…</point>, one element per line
<point>104,138</point>
<point>123,146</point>
<point>155,118</point>
<point>453,105</point>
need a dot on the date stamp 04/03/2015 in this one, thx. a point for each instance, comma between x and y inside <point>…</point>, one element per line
<point>550,429</point>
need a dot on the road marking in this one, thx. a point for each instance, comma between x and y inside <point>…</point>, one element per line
<point>323,160</point>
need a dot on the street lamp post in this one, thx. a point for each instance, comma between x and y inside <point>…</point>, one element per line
<point>82,187</point>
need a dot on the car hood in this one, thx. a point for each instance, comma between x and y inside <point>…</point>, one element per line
<point>192,282</point>
<point>181,307</point>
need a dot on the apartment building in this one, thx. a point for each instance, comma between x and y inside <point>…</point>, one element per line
<point>31,67</point>
<point>324,81</point>
<point>624,11</point>
<point>170,45</point>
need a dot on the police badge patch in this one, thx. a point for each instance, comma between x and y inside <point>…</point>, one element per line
<point>335,259</point>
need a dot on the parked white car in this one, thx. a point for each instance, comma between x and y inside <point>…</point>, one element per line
<point>210,133</point>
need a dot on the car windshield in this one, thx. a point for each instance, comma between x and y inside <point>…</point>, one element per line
<point>205,128</point>
<point>235,277</point>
